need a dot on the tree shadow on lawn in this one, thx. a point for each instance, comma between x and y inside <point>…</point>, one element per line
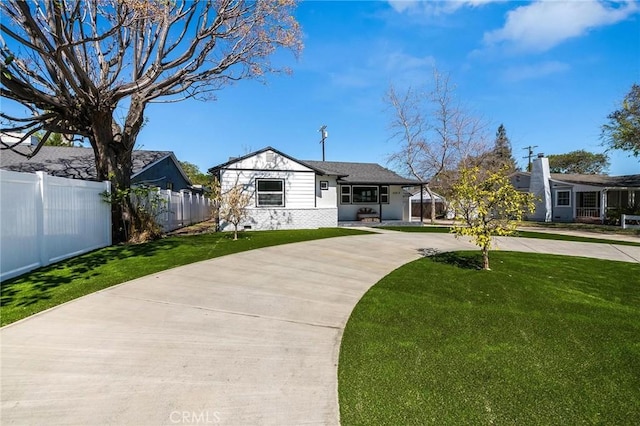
<point>458,259</point>
<point>37,285</point>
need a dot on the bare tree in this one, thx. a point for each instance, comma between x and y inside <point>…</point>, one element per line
<point>74,63</point>
<point>233,206</point>
<point>436,135</point>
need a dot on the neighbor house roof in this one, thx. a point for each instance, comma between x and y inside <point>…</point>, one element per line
<point>626,181</point>
<point>599,180</point>
<point>364,173</point>
<point>73,162</point>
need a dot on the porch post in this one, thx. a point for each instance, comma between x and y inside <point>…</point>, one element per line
<point>603,205</point>
<point>380,202</point>
<point>421,203</point>
<point>410,205</point>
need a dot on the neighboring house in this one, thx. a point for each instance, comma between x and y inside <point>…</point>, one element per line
<point>287,193</point>
<point>577,198</point>
<point>154,168</point>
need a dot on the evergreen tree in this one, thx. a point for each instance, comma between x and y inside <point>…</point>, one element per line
<point>501,157</point>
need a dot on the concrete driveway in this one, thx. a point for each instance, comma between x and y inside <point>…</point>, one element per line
<point>251,338</point>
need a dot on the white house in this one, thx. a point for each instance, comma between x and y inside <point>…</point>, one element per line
<point>287,193</point>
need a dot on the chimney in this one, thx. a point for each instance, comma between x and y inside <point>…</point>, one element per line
<point>540,187</point>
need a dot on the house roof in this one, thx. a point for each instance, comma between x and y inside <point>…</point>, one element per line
<point>599,180</point>
<point>260,151</point>
<point>626,181</point>
<point>353,173</point>
<point>73,162</point>
<point>364,173</point>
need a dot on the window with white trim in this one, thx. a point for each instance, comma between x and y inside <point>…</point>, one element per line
<point>384,194</point>
<point>563,198</point>
<point>270,192</point>
<point>364,194</point>
<point>345,194</point>
<point>324,185</point>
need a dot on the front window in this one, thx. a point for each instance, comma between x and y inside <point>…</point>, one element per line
<point>270,192</point>
<point>365,194</point>
<point>563,198</point>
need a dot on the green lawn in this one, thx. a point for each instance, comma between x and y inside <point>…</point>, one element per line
<point>540,339</point>
<point>524,234</point>
<point>70,279</point>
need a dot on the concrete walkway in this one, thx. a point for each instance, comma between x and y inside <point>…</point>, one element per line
<point>251,338</point>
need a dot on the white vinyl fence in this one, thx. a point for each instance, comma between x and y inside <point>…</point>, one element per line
<point>45,219</point>
<point>625,225</point>
<point>182,209</point>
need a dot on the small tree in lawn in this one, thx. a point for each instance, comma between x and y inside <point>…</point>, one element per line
<point>487,205</point>
<point>233,206</point>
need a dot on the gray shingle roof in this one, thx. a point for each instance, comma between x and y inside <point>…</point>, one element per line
<point>364,173</point>
<point>354,173</point>
<point>599,180</point>
<point>76,163</point>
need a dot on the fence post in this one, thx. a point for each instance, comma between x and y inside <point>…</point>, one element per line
<point>108,224</point>
<point>191,218</point>
<point>41,203</point>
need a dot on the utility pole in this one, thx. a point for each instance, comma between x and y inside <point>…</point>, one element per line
<point>530,148</point>
<point>323,132</point>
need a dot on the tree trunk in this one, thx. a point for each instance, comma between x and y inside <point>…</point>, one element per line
<point>113,163</point>
<point>433,204</point>
<point>485,258</point>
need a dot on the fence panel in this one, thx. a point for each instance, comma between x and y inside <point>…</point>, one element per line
<point>181,209</point>
<point>21,225</point>
<point>46,219</point>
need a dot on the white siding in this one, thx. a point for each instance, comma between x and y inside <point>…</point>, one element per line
<point>268,160</point>
<point>329,197</point>
<point>298,186</point>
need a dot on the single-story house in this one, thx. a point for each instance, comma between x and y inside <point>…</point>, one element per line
<point>287,193</point>
<point>155,168</point>
<point>575,197</point>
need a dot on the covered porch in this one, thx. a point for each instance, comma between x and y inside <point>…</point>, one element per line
<point>606,205</point>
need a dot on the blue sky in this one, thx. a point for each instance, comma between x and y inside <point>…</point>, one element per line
<point>550,71</point>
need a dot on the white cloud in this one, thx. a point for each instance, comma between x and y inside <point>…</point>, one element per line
<point>541,25</point>
<point>385,65</point>
<point>528,72</point>
<point>435,8</point>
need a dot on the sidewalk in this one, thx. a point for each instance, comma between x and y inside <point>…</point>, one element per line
<point>251,338</point>
<point>618,237</point>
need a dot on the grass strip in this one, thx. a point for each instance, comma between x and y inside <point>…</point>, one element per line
<point>563,237</point>
<point>522,234</point>
<point>540,339</point>
<point>69,279</point>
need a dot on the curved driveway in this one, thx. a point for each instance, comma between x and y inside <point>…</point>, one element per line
<point>251,338</point>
